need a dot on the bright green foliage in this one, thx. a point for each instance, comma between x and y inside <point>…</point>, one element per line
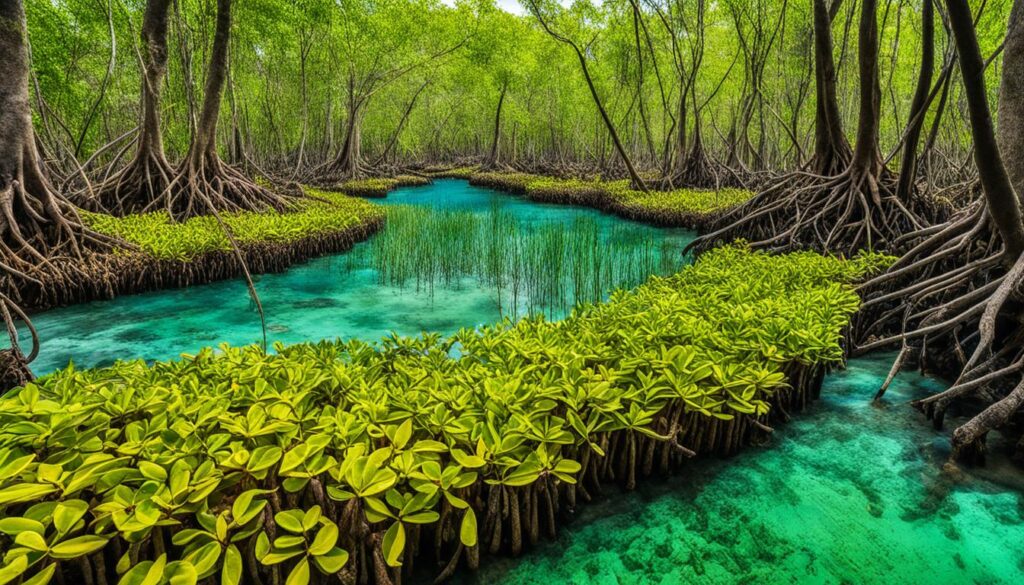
<point>679,200</point>
<point>679,207</point>
<point>198,448</point>
<point>156,235</point>
<point>380,187</point>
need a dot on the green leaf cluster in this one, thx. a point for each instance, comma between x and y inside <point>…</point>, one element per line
<point>156,235</point>
<point>293,461</point>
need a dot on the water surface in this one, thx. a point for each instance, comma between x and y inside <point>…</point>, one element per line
<point>333,296</point>
<point>847,493</point>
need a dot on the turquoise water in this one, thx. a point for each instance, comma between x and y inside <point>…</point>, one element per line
<point>333,296</point>
<point>847,493</point>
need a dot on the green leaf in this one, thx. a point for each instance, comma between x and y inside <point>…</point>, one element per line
<point>231,572</point>
<point>145,573</point>
<point>205,558</point>
<point>77,547</point>
<point>393,544</point>
<point>300,574</point>
<point>25,492</point>
<point>14,569</point>
<point>32,540</point>
<point>325,539</point>
<point>13,526</point>
<point>42,577</point>
<point>290,520</point>
<point>468,530</point>
<point>181,573</point>
<point>332,561</point>
<point>67,514</point>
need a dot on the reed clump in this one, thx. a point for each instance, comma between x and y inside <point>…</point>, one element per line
<point>545,268</point>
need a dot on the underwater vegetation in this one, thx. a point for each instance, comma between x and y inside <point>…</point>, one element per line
<point>547,267</point>
<point>355,458</point>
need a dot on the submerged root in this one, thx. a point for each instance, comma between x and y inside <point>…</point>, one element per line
<point>956,295</point>
<point>852,211</point>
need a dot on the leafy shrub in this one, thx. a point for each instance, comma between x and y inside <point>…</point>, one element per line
<point>681,207</point>
<point>373,188</point>
<point>311,459</point>
<point>156,235</point>
<point>450,173</point>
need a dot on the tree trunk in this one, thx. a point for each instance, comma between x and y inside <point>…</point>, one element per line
<point>386,154</point>
<point>919,106</point>
<point>866,155</point>
<point>148,173</point>
<point>492,158</point>
<point>204,143</point>
<point>1011,99</point>
<point>204,184</point>
<point>831,148</point>
<point>1003,205</point>
<point>41,235</point>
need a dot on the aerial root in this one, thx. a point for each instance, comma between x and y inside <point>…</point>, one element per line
<point>201,186</point>
<point>957,296</point>
<point>851,211</point>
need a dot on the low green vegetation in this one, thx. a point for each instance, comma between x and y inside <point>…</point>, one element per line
<point>680,207</point>
<point>450,172</point>
<point>380,186</point>
<point>546,267</point>
<point>324,456</point>
<point>156,235</point>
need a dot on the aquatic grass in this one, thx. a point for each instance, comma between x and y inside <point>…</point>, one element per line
<point>535,268</point>
<point>359,457</point>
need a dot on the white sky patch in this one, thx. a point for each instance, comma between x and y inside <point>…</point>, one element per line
<point>515,6</point>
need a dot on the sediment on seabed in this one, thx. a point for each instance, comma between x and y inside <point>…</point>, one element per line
<point>131,272</point>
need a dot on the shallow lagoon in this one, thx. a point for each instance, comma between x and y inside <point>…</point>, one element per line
<point>847,493</point>
<point>325,298</point>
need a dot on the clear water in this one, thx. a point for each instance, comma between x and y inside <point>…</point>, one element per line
<point>325,298</point>
<point>848,493</point>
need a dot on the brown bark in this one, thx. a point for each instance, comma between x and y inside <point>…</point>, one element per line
<point>40,231</point>
<point>866,155</point>
<point>919,105</point>
<point>1003,205</point>
<point>203,183</point>
<point>148,173</point>
<point>492,158</point>
<point>1011,99</point>
<point>832,150</point>
<point>637,181</point>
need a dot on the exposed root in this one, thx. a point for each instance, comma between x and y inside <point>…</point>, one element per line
<point>852,211</point>
<point>203,183</point>
<point>136,186</point>
<point>957,297</point>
